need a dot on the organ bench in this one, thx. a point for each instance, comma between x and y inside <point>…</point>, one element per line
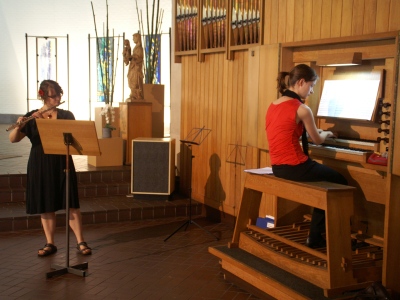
<point>334,269</point>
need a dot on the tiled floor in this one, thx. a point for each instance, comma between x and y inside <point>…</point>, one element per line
<point>131,260</point>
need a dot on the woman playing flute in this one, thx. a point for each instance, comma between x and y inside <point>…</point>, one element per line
<point>46,179</point>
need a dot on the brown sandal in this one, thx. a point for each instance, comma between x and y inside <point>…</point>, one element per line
<point>86,250</point>
<point>48,249</point>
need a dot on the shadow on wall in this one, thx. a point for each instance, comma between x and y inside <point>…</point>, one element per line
<point>214,196</point>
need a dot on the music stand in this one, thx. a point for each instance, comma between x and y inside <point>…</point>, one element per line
<point>195,137</point>
<point>237,154</point>
<point>68,137</point>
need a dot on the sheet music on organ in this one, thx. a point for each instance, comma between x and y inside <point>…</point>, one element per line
<point>349,99</point>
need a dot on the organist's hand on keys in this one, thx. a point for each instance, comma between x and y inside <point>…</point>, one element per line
<point>326,135</point>
<point>318,136</point>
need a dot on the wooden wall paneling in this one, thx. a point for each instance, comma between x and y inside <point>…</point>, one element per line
<point>219,148</point>
<point>227,132</point>
<point>267,21</point>
<point>192,96</point>
<point>326,17</point>
<point>382,13</point>
<point>223,141</point>
<point>307,20</point>
<point>269,68</point>
<point>205,106</point>
<point>394,23</point>
<point>253,95</point>
<point>291,22</point>
<point>336,17</point>
<point>283,21</point>
<point>298,20</point>
<point>243,119</point>
<point>185,63</point>
<point>274,21</point>
<point>347,16</point>
<point>358,17</point>
<point>242,84</point>
<point>184,91</point>
<point>195,101</point>
<point>195,114</point>
<point>240,119</point>
<point>212,157</point>
<point>202,95</point>
<point>370,8</point>
<point>218,103</point>
<point>234,110</point>
<point>316,19</point>
<point>262,22</point>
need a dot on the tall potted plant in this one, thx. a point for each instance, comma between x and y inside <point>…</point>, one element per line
<point>151,40</point>
<point>150,27</point>
<point>107,65</point>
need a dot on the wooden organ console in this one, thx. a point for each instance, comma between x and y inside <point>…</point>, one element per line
<point>375,206</point>
<point>334,268</point>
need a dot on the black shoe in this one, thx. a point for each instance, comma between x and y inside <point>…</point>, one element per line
<point>316,243</point>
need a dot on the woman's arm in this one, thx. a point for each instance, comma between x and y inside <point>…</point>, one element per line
<point>305,115</point>
<point>16,135</point>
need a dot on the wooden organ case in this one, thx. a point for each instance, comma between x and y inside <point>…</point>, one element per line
<point>375,208</point>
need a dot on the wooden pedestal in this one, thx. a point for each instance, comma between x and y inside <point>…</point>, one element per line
<point>111,153</point>
<point>154,93</point>
<point>135,121</point>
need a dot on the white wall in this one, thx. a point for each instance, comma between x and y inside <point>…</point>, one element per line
<point>75,18</point>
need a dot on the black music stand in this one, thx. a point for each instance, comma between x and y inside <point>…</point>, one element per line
<point>195,137</point>
<point>236,157</point>
<point>68,137</point>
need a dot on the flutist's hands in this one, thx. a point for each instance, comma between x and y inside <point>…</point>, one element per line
<point>38,115</point>
<point>20,123</point>
<point>16,135</point>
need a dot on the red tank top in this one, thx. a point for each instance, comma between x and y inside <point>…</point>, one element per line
<point>283,133</point>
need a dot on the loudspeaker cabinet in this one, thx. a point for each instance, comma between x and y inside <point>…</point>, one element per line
<point>153,166</point>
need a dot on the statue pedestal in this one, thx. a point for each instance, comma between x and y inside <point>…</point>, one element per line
<point>135,121</point>
<point>154,93</point>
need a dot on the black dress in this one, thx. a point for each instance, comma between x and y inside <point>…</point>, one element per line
<point>46,177</point>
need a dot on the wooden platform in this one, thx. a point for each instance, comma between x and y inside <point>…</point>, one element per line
<point>334,269</point>
<point>267,281</point>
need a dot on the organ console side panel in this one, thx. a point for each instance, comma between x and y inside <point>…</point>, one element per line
<point>395,126</point>
<point>390,276</point>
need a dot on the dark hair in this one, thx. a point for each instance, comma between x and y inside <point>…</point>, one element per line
<point>45,85</point>
<point>301,71</point>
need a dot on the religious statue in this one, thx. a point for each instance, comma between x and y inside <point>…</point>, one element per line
<point>135,72</point>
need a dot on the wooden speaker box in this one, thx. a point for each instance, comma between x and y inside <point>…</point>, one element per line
<point>153,167</point>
